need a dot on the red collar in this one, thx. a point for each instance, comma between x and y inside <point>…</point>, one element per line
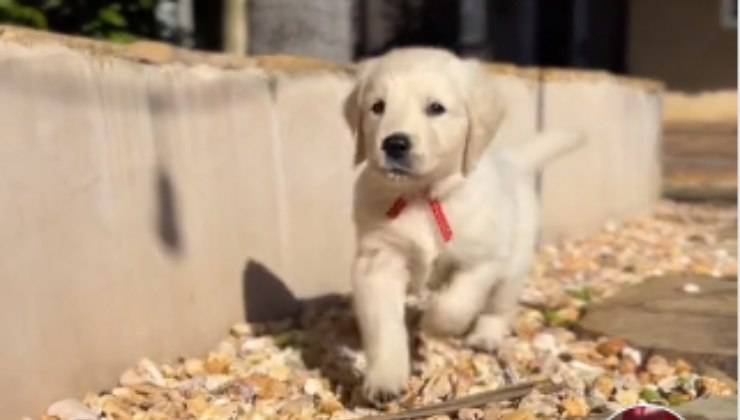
<point>437,211</point>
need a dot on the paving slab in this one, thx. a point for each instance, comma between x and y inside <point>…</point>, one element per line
<point>659,315</point>
<point>700,161</point>
<point>710,409</point>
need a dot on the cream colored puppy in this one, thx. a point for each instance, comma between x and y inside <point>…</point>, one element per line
<point>427,205</point>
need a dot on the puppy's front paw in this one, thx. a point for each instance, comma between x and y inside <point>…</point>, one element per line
<point>488,333</point>
<point>385,382</point>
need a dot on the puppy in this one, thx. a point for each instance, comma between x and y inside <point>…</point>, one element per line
<point>430,202</point>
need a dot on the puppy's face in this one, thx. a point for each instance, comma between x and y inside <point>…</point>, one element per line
<point>414,122</point>
<point>412,114</point>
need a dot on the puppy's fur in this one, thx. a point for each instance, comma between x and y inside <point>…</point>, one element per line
<point>489,200</point>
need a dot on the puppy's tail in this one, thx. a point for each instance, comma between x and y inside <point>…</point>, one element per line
<point>546,146</point>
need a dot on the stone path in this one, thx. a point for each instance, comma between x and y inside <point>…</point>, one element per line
<point>687,316</point>
<point>700,161</point>
<point>710,409</point>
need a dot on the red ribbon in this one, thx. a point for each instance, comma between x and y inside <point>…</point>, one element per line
<point>396,208</point>
<point>437,210</point>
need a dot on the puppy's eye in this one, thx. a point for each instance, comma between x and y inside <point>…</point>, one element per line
<point>435,108</point>
<point>378,107</point>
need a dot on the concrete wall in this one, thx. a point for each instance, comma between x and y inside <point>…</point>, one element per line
<point>618,173</point>
<point>695,51</point>
<point>148,207</point>
<point>145,207</point>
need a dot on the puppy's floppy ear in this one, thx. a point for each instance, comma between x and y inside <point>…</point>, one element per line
<point>485,113</point>
<point>353,107</point>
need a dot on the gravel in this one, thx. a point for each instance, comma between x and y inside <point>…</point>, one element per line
<point>310,368</point>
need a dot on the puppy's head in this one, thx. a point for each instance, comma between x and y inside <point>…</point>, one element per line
<point>420,114</point>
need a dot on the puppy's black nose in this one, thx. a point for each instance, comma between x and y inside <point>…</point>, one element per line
<point>397,145</point>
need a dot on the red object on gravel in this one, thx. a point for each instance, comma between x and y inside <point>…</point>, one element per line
<point>648,413</point>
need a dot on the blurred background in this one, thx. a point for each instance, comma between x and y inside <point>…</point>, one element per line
<point>688,44</point>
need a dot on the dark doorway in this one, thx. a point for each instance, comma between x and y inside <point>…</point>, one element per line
<point>558,33</point>
<point>386,24</point>
<point>209,25</point>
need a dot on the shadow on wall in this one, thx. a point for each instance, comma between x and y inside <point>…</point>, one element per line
<point>168,225</point>
<point>267,298</point>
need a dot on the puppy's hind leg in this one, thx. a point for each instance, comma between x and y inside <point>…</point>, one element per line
<point>380,277</point>
<point>454,309</point>
<point>503,301</point>
<point>493,323</point>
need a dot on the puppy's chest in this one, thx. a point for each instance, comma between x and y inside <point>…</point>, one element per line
<point>431,231</point>
<point>417,224</point>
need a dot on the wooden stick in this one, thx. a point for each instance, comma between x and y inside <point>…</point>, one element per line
<point>470,401</point>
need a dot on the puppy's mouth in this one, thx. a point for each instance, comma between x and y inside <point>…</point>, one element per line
<point>396,172</point>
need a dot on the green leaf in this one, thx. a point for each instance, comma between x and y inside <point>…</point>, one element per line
<point>652,396</point>
<point>90,27</point>
<point>290,338</point>
<point>583,294</point>
<point>553,318</point>
<point>112,16</point>
<point>13,12</point>
<point>122,37</point>
<point>51,4</point>
<point>675,398</point>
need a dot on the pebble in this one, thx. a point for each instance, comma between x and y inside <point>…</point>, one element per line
<point>266,387</point>
<point>627,366</point>
<point>194,367</point>
<point>604,385</point>
<point>328,404</point>
<point>227,348</point>
<point>627,397</point>
<point>438,388</point>
<point>633,354</point>
<point>545,343</point>
<point>241,330</point>
<point>691,288</point>
<point>71,409</point>
<point>659,368</point>
<point>217,383</point>
<point>151,372</point>
<point>297,407</point>
<point>217,363</point>
<point>519,415</point>
<point>130,377</point>
<point>714,387</point>
<point>668,383</point>
<point>682,367</point>
<point>253,345</point>
<point>575,406</point>
<point>611,347</point>
<point>313,387</point>
<point>470,414</point>
<point>197,405</point>
<point>540,404</point>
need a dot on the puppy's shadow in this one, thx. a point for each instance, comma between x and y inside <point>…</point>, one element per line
<point>333,345</point>
<point>324,329</point>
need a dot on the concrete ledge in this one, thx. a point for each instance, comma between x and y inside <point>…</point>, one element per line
<point>574,75</point>
<point>158,53</point>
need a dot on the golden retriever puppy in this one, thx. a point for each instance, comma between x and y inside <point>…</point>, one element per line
<point>430,202</point>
